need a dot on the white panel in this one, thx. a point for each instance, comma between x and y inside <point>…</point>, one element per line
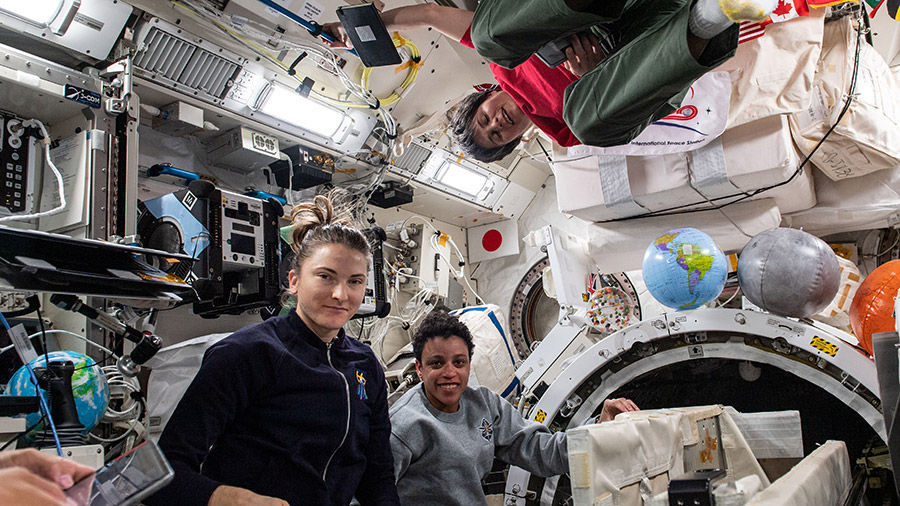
<point>94,29</point>
<point>513,201</point>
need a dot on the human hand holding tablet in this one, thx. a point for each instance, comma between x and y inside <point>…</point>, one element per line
<point>126,480</point>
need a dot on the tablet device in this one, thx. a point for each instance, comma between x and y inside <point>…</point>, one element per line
<point>126,480</point>
<point>553,53</point>
<point>370,38</point>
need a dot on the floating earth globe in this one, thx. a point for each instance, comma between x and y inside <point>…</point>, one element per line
<point>684,268</point>
<point>88,385</point>
<point>788,272</point>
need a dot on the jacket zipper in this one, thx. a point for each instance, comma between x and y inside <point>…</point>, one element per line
<point>347,425</point>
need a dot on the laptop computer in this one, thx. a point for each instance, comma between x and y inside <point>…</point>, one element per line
<point>370,38</point>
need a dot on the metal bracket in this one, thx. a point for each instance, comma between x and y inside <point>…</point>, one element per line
<point>123,83</point>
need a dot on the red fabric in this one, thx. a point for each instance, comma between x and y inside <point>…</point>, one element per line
<point>787,9</point>
<point>538,90</point>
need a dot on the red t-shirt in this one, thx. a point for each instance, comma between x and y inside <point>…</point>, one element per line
<point>538,90</point>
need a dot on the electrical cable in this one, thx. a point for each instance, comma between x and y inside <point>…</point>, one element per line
<point>22,434</point>
<point>95,363</point>
<point>131,409</point>
<point>413,63</point>
<point>40,395</point>
<point>319,52</point>
<point>737,291</point>
<point>742,197</point>
<point>541,145</point>
<point>43,336</point>
<point>33,303</point>
<point>886,251</point>
<point>721,210</point>
<point>59,179</point>
<point>114,378</point>
<point>66,332</point>
<point>460,273</point>
<point>558,160</point>
<point>323,55</point>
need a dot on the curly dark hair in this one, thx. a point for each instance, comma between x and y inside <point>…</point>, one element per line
<point>461,126</point>
<point>440,324</point>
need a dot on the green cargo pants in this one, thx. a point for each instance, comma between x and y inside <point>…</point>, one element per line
<point>643,80</point>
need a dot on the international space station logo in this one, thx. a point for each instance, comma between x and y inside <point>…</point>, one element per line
<point>361,385</point>
<point>487,430</point>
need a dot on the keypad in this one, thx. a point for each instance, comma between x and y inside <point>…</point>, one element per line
<point>14,145</point>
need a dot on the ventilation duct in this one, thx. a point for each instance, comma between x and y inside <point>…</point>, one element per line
<point>413,158</point>
<point>177,62</point>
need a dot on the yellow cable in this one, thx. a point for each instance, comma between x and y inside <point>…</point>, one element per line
<point>265,54</point>
<point>413,65</point>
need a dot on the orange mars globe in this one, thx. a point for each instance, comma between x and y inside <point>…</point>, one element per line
<point>872,309</point>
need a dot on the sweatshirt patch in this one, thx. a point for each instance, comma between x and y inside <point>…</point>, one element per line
<point>361,385</point>
<point>487,430</point>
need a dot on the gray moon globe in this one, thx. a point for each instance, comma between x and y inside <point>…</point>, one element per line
<point>788,272</point>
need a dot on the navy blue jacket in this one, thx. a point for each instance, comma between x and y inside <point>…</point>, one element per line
<point>269,413</point>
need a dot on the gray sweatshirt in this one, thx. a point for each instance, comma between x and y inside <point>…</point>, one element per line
<point>440,458</point>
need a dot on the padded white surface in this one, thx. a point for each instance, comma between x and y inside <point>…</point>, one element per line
<point>599,188</point>
<point>630,460</point>
<point>616,462</point>
<point>859,203</point>
<point>619,246</point>
<point>821,479</point>
<point>867,138</point>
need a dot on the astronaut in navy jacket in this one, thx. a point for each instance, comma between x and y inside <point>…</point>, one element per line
<point>292,410</point>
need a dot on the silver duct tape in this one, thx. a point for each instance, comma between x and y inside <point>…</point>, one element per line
<point>614,184</point>
<point>708,174</point>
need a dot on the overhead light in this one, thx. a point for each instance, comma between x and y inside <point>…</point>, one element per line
<point>460,178</point>
<point>39,12</point>
<point>288,106</point>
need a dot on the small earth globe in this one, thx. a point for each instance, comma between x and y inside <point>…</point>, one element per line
<point>684,268</point>
<point>88,385</point>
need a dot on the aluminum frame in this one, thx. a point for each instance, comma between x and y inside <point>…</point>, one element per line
<point>800,349</point>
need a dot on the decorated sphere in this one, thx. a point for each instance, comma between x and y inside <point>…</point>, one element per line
<point>88,385</point>
<point>611,309</point>
<point>788,272</point>
<point>872,309</point>
<point>684,268</point>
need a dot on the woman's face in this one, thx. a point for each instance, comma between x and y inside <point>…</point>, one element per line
<point>329,288</point>
<point>444,370</point>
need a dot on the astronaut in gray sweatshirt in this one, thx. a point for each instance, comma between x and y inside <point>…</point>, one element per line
<point>445,435</point>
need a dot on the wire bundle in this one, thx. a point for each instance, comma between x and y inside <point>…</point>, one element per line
<point>250,34</point>
<point>413,63</point>
<point>59,179</point>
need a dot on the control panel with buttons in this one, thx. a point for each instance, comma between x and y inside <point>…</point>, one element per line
<point>242,232</point>
<point>17,159</point>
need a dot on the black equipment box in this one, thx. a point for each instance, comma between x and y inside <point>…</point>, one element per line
<point>391,194</point>
<point>12,405</point>
<point>370,38</point>
<point>233,239</point>
<point>695,489</point>
<point>308,168</point>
